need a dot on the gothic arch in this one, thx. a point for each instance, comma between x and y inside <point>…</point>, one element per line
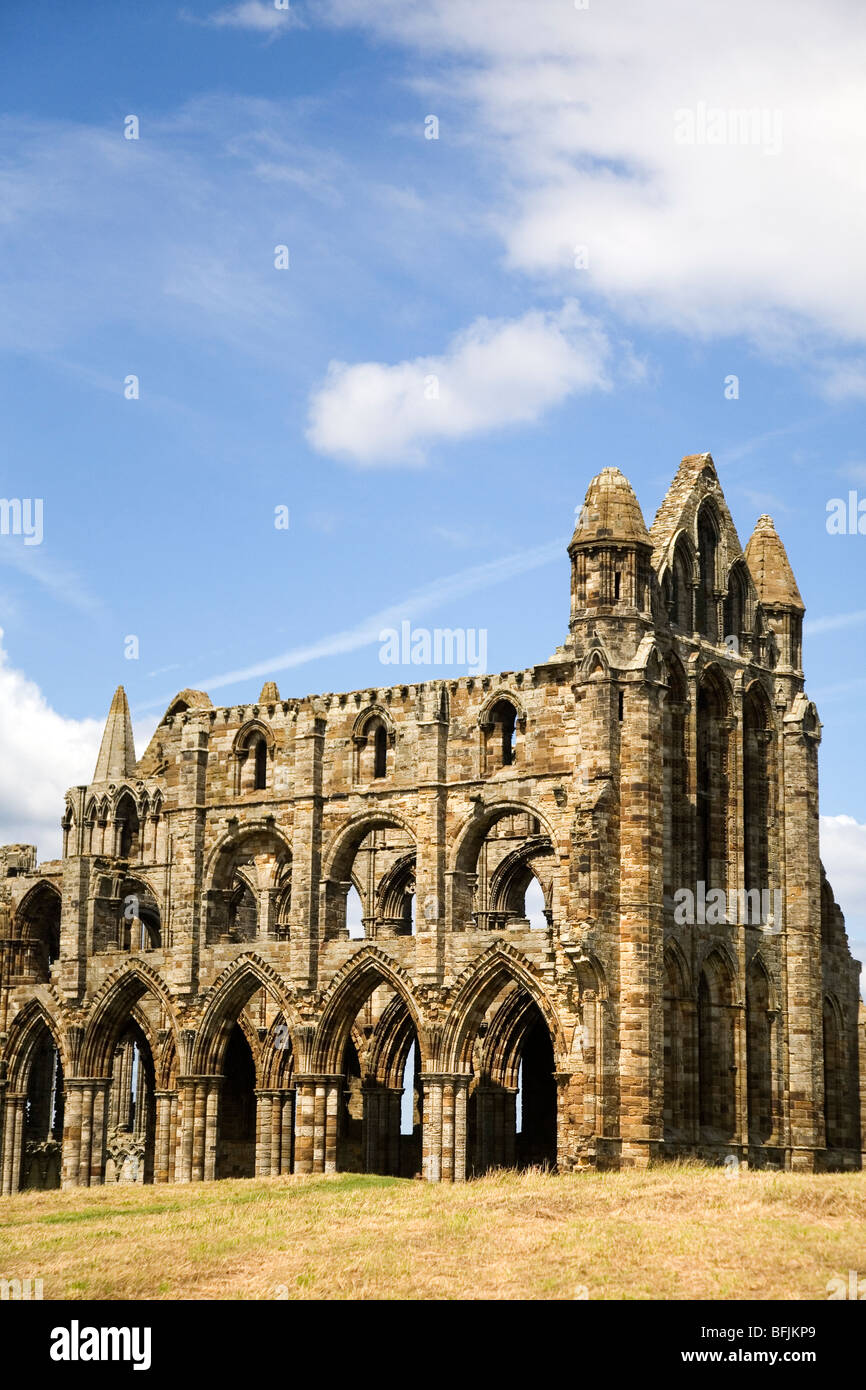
<point>717,1045</point>
<point>112,1008</point>
<point>25,1035</point>
<point>265,833</point>
<point>475,827</point>
<point>349,990</point>
<point>344,843</point>
<point>36,926</point>
<point>391,1043</point>
<point>225,1002</point>
<point>684,579</point>
<point>474,992</point>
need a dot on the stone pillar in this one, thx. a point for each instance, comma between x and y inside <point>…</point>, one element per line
<point>212,1086</point>
<point>287,1124</point>
<point>199,1127</point>
<point>264,1104</point>
<point>13,1143</point>
<point>186,1085</point>
<point>85,1131</point>
<point>641,1020</point>
<point>444,1128</point>
<point>162,1136</point>
<point>71,1134</point>
<point>801,926</point>
<point>98,1132</point>
<point>317,1109</point>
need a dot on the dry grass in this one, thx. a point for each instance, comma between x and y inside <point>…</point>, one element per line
<point>675,1232</point>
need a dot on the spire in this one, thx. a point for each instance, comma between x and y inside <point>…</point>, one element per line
<point>270,694</point>
<point>117,750</point>
<point>770,568</point>
<point>610,512</point>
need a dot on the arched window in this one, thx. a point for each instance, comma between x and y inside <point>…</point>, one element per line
<point>713,785</point>
<point>681,588</point>
<point>354,915</point>
<point>380,751</point>
<point>253,753</point>
<point>501,741</point>
<point>759,1054</point>
<point>372,745</point>
<point>716,1051</point>
<point>758,780</point>
<point>261,765</point>
<point>708,546</point>
<point>735,605</point>
<point>127,825</point>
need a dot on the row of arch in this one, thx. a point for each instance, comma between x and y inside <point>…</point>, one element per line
<point>133,1108</point>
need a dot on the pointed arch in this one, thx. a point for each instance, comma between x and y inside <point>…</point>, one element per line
<point>226,1000</point>
<point>498,967</point>
<point>348,991</point>
<point>717,1049</point>
<point>25,1035</point>
<point>684,580</point>
<point>113,1006</point>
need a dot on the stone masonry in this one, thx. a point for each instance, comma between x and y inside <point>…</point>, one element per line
<point>566,916</point>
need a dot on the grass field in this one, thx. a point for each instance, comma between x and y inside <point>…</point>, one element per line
<point>672,1233</point>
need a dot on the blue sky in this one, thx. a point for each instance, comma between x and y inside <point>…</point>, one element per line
<point>409,258</point>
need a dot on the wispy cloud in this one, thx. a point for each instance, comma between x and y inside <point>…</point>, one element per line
<point>814,626</point>
<point>62,584</point>
<point>256,16</point>
<point>367,630</point>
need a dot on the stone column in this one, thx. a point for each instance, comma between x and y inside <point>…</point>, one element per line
<point>13,1143</point>
<point>162,1136</point>
<point>264,1104</point>
<point>444,1128</point>
<point>212,1086</point>
<point>317,1108</point>
<point>641,1021</point>
<point>186,1089</point>
<point>71,1134</point>
<point>801,927</point>
<point>287,1124</point>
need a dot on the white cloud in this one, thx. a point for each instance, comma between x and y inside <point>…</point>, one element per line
<point>42,754</point>
<point>843,853</point>
<point>575,112</point>
<point>497,372</point>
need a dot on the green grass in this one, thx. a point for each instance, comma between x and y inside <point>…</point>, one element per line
<point>673,1232</point>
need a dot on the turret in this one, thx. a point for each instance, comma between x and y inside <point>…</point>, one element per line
<point>610,552</point>
<point>777,589</point>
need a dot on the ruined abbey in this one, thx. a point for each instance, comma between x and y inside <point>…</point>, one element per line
<point>565,916</point>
